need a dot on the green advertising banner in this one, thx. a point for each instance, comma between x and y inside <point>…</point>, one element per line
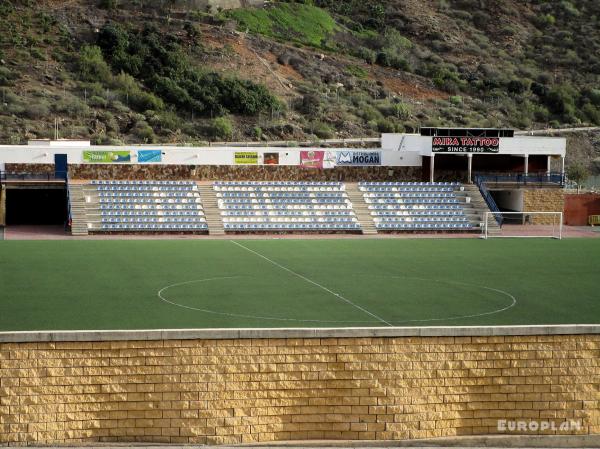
<point>106,157</point>
<point>246,157</point>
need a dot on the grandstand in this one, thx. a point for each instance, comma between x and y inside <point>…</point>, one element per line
<point>285,206</point>
<point>410,206</point>
<point>144,206</point>
<point>413,183</point>
<point>272,206</point>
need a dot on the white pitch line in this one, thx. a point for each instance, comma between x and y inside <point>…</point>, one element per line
<point>310,281</point>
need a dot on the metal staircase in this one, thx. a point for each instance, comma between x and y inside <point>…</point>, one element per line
<point>211,209</point>
<point>361,208</point>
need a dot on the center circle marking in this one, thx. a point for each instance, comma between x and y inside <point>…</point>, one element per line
<point>512,303</point>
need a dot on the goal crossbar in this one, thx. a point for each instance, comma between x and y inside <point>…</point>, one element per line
<point>552,226</point>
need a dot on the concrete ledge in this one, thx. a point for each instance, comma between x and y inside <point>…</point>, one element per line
<point>220,334</point>
<point>483,441</point>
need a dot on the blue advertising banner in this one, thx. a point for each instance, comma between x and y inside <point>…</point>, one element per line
<point>358,158</point>
<point>149,156</point>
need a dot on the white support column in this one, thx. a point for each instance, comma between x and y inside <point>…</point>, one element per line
<point>470,168</point>
<point>432,167</point>
<point>526,164</point>
<point>549,166</point>
<point>562,165</point>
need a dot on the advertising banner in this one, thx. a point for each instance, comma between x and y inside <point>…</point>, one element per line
<point>149,156</point>
<point>246,157</point>
<point>465,144</point>
<point>106,157</point>
<point>360,158</point>
<point>312,159</point>
<point>271,159</point>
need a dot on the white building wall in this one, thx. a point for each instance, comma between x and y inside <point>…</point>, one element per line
<point>556,146</point>
<point>398,150</point>
<point>37,154</point>
<point>519,145</point>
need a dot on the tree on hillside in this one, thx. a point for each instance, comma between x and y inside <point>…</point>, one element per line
<point>578,173</point>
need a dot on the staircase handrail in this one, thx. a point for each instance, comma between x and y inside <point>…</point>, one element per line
<point>480,182</point>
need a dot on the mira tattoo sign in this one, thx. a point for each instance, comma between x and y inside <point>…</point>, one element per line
<point>465,145</point>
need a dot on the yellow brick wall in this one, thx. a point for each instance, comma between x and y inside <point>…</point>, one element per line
<point>241,391</point>
<point>543,200</point>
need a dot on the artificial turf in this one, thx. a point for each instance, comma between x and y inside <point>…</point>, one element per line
<point>60,285</point>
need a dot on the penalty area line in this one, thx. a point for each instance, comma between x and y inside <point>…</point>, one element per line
<point>316,284</point>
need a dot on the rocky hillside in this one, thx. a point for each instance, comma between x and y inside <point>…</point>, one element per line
<point>123,71</point>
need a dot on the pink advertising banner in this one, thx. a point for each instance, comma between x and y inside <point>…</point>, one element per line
<point>312,159</point>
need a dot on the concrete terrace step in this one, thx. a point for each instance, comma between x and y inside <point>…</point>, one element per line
<point>212,212</point>
<point>361,209</point>
<point>79,220</point>
<point>480,207</point>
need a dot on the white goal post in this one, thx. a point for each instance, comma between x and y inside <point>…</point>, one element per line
<point>522,225</point>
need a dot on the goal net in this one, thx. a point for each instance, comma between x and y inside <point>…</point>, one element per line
<point>522,224</point>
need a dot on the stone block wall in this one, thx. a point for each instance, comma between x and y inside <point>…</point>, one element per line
<point>38,169</point>
<point>540,200</point>
<point>227,172</point>
<point>251,390</point>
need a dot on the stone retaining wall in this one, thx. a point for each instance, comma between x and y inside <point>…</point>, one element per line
<point>543,200</point>
<point>223,391</point>
<point>227,172</point>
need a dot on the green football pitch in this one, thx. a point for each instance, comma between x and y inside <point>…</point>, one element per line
<point>167,284</point>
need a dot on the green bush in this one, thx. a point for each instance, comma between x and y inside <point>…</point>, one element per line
<point>402,111</point>
<point>119,107</point>
<point>357,71</point>
<point>569,9</point>
<point>321,130</point>
<point>37,110</point>
<point>72,106</point>
<point>386,126</point>
<point>7,77</point>
<point>143,101</point>
<point>221,128</point>
<point>108,4</point>
<point>98,102</point>
<point>366,54</point>
<point>592,113</point>
<point>37,54</point>
<point>311,104</point>
<point>167,121</point>
<point>594,96</point>
<point>545,20</point>
<point>368,113</point>
<point>144,132</point>
<point>561,100</point>
<point>109,120</point>
<point>91,65</point>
